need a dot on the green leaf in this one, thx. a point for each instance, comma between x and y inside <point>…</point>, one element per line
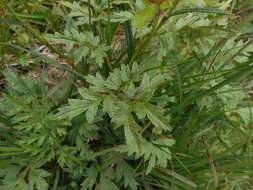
<point>143,17</point>
<point>99,53</point>
<point>125,171</point>
<point>10,172</point>
<point>139,108</point>
<point>151,164</point>
<point>156,117</point>
<point>106,184</point>
<point>91,178</point>
<point>80,53</point>
<point>92,111</point>
<point>130,90</point>
<point>89,104</point>
<point>156,152</point>
<point>87,94</point>
<point>121,16</point>
<point>36,177</point>
<point>131,139</point>
<point>75,108</point>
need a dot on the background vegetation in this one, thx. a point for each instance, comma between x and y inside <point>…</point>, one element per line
<point>126,94</point>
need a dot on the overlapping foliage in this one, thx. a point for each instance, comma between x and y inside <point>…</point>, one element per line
<point>155,97</point>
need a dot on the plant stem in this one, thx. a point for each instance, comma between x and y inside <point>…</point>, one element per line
<point>155,27</point>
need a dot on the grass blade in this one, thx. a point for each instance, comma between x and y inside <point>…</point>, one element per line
<point>200,10</point>
<point>8,21</point>
<point>178,176</point>
<point>237,76</point>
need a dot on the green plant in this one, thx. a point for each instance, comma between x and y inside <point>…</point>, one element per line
<point>154,98</point>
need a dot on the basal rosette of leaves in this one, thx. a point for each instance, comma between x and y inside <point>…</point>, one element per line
<point>154,98</point>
